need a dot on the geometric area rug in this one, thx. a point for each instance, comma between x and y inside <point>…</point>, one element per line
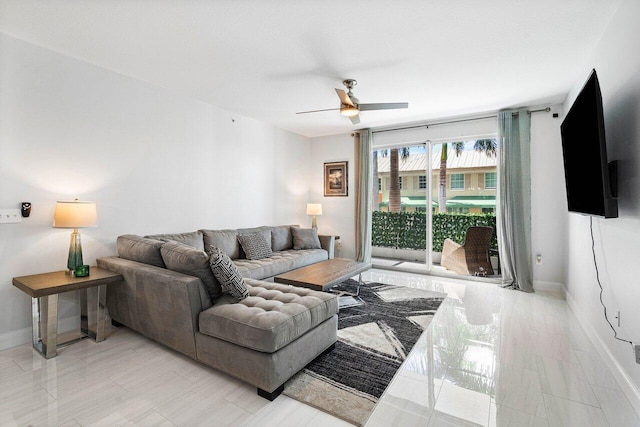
<point>374,338</point>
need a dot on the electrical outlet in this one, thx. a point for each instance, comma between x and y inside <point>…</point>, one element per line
<point>8,216</point>
<point>637,349</point>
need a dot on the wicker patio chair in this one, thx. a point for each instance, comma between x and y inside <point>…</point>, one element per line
<point>472,257</point>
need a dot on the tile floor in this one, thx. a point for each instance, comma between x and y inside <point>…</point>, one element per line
<point>491,357</point>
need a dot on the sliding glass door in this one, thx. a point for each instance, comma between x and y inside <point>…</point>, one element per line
<point>399,205</point>
<point>434,205</point>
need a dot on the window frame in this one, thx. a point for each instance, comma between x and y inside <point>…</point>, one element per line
<point>495,181</point>
<point>451,187</point>
<point>422,185</point>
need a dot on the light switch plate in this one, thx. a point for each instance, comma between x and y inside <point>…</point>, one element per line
<point>8,216</point>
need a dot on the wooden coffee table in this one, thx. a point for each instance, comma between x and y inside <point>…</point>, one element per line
<point>324,275</point>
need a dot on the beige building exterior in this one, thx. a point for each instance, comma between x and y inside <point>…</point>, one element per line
<point>471,182</point>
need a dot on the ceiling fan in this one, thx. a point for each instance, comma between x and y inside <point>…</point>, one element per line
<point>350,105</point>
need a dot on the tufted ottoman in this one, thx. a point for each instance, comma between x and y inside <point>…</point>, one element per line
<point>268,337</point>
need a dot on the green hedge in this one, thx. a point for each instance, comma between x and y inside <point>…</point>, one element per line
<point>408,230</point>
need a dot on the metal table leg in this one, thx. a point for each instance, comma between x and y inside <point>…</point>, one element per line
<point>351,294</point>
<point>44,312</point>
<point>93,312</point>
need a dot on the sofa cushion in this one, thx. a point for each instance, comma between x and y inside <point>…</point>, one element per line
<point>227,240</point>
<point>305,238</point>
<point>264,229</point>
<point>188,260</point>
<point>255,245</point>
<point>227,273</point>
<point>140,249</point>
<point>281,238</point>
<point>193,239</point>
<point>279,262</point>
<point>270,318</point>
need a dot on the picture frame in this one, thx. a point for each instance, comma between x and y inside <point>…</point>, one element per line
<point>336,179</point>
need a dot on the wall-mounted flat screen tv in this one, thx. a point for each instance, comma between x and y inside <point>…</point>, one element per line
<point>590,179</point>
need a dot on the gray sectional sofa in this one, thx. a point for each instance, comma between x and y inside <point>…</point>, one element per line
<point>169,294</point>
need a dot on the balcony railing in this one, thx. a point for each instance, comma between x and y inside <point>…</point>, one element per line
<point>408,230</point>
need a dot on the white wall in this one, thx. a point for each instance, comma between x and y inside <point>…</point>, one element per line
<point>154,161</point>
<point>548,200</point>
<point>617,241</point>
<point>338,213</point>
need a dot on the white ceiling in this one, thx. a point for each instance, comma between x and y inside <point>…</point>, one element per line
<point>270,59</point>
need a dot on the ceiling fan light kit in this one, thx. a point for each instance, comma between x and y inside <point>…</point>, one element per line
<point>350,105</point>
<point>348,110</point>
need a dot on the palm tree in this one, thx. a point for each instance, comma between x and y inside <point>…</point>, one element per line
<point>442,183</point>
<point>394,176</point>
<point>488,146</point>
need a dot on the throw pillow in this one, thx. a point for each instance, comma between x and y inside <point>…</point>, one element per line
<point>140,249</point>
<point>188,260</point>
<point>281,239</point>
<point>255,245</point>
<point>227,240</point>
<point>305,238</point>
<point>227,274</point>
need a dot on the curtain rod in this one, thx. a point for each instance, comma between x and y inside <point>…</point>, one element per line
<point>547,109</point>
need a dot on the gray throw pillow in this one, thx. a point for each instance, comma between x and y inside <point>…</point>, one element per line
<point>187,260</point>
<point>227,240</point>
<point>140,249</point>
<point>227,274</point>
<point>281,238</point>
<point>255,246</point>
<point>305,238</point>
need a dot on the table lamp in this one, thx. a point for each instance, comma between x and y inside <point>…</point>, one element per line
<point>314,209</point>
<point>75,214</point>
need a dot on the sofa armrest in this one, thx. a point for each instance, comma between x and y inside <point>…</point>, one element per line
<point>161,304</point>
<point>328,243</point>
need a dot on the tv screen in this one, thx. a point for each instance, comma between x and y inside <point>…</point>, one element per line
<point>588,177</point>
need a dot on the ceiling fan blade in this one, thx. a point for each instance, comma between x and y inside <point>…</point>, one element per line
<point>383,106</point>
<point>317,111</point>
<point>355,119</point>
<point>344,98</point>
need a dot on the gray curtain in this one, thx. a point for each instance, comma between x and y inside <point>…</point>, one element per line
<point>363,177</point>
<point>514,216</point>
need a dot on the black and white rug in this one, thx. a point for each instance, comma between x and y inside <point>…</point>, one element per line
<point>374,338</point>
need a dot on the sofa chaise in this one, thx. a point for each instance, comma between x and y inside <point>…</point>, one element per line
<point>169,294</point>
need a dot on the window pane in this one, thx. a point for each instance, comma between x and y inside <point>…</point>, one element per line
<point>457,181</point>
<point>490,180</point>
<point>422,182</point>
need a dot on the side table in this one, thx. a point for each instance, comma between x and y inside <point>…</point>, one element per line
<point>44,289</point>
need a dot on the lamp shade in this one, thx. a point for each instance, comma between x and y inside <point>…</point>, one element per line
<point>75,214</point>
<point>314,209</point>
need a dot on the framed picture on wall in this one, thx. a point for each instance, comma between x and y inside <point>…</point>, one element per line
<point>336,179</point>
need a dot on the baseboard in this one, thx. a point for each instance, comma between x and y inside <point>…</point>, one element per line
<point>626,384</point>
<point>15,338</point>
<point>540,285</point>
<point>23,336</point>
